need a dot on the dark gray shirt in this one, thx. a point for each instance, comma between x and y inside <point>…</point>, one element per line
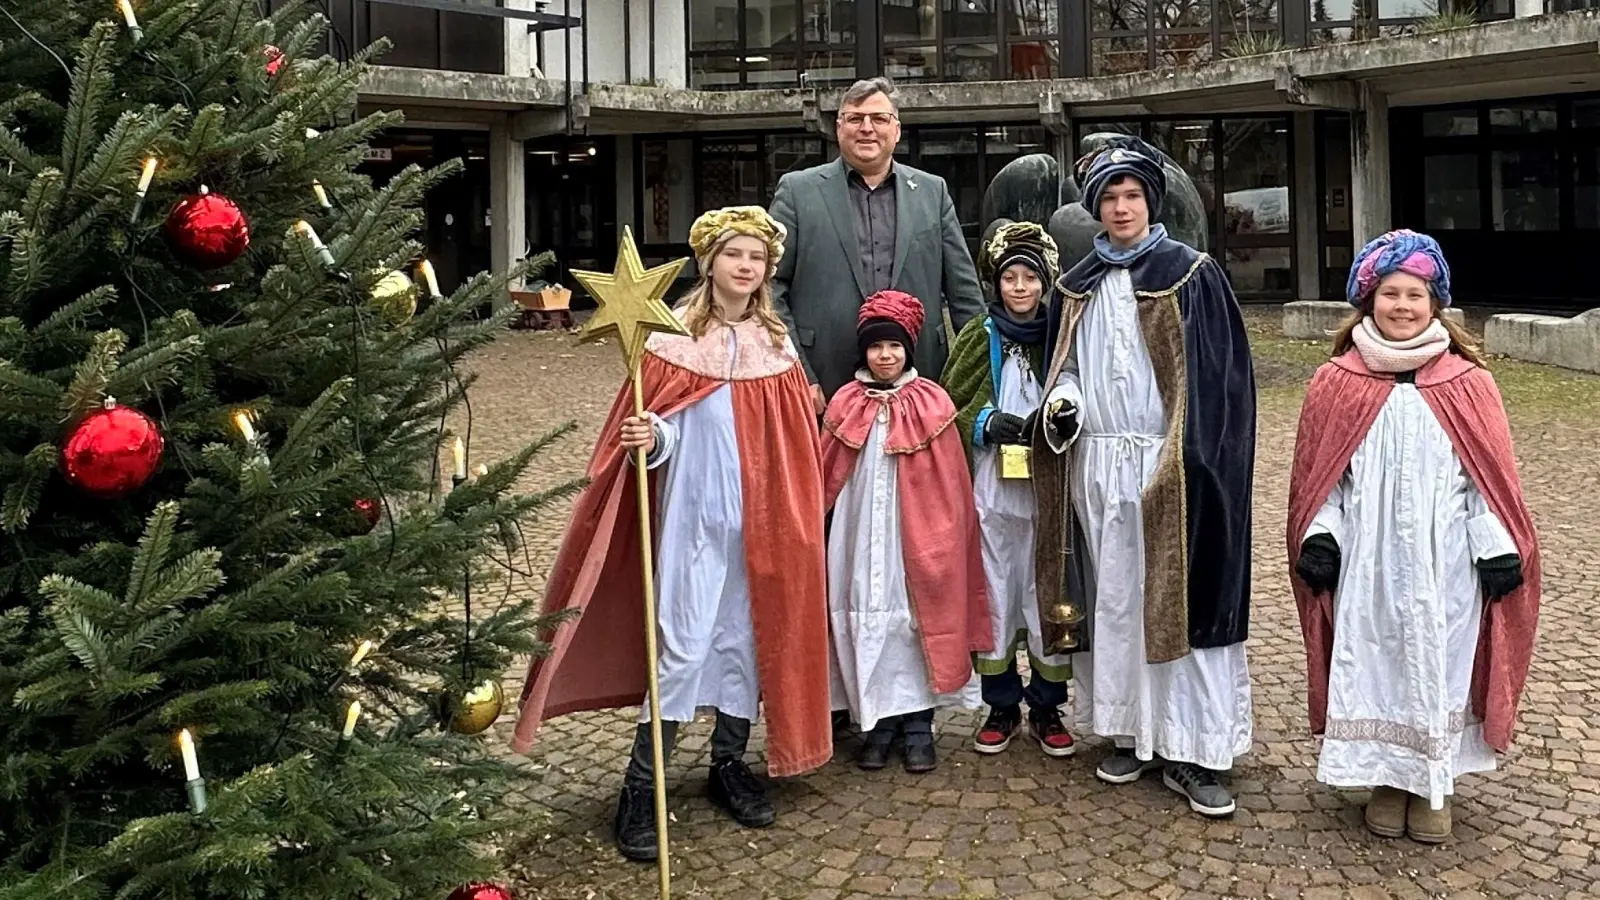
<point>875,226</point>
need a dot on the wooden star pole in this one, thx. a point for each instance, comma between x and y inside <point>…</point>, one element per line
<point>631,306</point>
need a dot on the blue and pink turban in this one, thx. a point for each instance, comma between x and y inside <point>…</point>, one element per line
<point>1399,251</point>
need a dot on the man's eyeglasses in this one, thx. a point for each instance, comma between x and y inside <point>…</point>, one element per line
<point>878,119</point>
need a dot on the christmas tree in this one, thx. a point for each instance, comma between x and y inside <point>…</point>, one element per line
<point>223,521</point>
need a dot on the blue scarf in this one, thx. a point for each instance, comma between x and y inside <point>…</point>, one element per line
<point>1126,257</point>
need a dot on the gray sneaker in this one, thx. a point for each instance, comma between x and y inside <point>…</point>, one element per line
<point>1123,767</point>
<point>1200,786</point>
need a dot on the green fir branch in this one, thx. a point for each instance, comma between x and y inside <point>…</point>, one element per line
<point>25,487</point>
<point>88,388</point>
<point>74,316</point>
<point>91,81</point>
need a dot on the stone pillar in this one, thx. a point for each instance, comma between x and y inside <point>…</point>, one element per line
<point>1307,208</point>
<point>1369,167</point>
<point>626,194</point>
<point>508,217</point>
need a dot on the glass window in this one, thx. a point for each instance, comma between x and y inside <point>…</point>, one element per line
<point>1184,13</point>
<point>1449,122</point>
<point>1034,60</point>
<point>1406,9</point>
<point>1183,49</point>
<point>1524,118</point>
<point>1322,36</point>
<point>666,208</point>
<point>1003,143</point>
<point>830,21</point>
<point>1450,192</point>
<point>969,19</point>
<point>1526,190</point>
<point>1117,15</point>
<point>1119,55</point>
<point>714,73</point>
<point>791,153</point>
<point>952,154</point>
<point>906,21</point>
<point>911,64</point>
<point>1255,176</point>
<point>1586,187</point>
<point>1336,262</point>
<point>770,23</point>
<point>829,68</point>
<point>1190,146</point>
<point>1333,10</point>
<point>771,69</point>
<point>971,62</point>
<point>714,25</point>
<point>1033,17</point>
<point>1260,270</point>
<point>1248,15</point>
<point>730,174</point>
<point>1336,172</point>
<point>1586,113</point>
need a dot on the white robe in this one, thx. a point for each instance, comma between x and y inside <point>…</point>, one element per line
<point>1195,709</point>
<point>878,667</point>
<point>705,640</point>
<point>1005,509</point>
<point>1409,523</point>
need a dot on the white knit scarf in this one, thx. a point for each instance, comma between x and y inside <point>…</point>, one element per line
<point>1390,357</point>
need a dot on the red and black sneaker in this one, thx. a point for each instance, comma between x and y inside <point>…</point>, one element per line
<point>995,734</point>
<point>1046,728</point>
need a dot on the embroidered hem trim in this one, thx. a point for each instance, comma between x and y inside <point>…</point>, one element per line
<point>1401,735</point>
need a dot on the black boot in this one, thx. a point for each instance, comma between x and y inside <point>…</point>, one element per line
<point>879,741</point>
<point>635,825</point>
<point>737,789</point>
<point>920,756</point>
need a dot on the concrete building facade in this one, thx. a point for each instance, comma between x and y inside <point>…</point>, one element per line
<point>1309,126</point>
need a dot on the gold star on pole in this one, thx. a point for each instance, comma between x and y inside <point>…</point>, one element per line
<point>630,298</point>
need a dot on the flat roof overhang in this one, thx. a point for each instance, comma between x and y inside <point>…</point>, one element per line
<point>1521,57</point>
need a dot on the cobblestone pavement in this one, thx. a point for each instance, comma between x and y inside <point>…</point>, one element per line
<point>1023,826</point>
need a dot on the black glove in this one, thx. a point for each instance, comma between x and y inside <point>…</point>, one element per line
<point>1065,421</point>
<point>1500,575</point>
<point>1319,563</point>
<point>1003,428</point>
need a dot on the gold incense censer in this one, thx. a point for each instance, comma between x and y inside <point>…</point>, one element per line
<point>1070,616</point>
<point>1016,461</point>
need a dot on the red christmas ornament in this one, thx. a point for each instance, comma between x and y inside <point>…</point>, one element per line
<point>480,890</point>
<point>274,59</point>
<point>112,452</point>
<point>371,511</point>
<point>207,230</point>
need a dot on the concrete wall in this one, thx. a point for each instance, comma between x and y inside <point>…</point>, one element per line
<point>1553,340</point>
<point>605,32</point>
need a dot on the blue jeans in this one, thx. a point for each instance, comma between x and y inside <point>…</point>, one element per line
<point>1007,690</point>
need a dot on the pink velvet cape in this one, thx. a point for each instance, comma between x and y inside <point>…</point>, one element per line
<point>1342,403</point>
<point>938,522</point>
<point>597,660</point>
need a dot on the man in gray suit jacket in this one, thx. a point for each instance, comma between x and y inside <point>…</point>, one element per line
<point>861,224</point>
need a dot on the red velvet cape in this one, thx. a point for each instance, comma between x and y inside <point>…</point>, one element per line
<point>1342,403</point>
<point>597,660</point>
<point>938,522</point>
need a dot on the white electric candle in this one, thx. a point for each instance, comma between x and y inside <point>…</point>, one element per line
<point>361,653</point>
<point>146,175</point>
<point>191,764</point>
<point>306,229</point>
<point>459,452</point>
<point>322,195</point>
<point>127,14</point>
<point>241,420</point>
<point>428,278</point>
<point>350,718</point>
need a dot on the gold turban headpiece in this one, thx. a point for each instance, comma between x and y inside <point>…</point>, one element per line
<point>718,225</point>
<point>1020,236</point>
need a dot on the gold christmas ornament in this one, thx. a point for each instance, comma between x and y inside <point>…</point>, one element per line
<point>395,295</point>
<point>479,708</point>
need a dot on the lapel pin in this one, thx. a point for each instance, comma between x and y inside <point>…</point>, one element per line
<point>911,183</point>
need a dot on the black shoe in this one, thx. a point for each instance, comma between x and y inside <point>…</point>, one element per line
<point>995,734</point>
<point>920,755</point>
<point>841,723</point>
<point>635,825</point>
<point>875,752</point>
<point>736,789</point>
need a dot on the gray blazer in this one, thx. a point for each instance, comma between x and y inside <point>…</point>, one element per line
<point>820,283</point>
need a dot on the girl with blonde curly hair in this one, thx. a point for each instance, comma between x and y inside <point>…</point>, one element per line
<point>731,441</point>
